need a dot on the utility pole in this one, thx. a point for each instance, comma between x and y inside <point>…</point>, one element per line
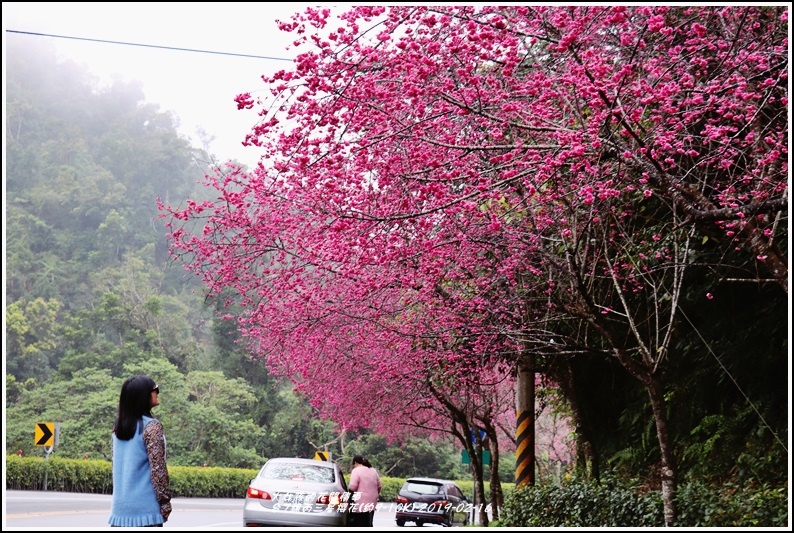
<point>525,421</point>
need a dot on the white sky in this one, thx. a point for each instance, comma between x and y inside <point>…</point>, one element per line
<point>199,87</point>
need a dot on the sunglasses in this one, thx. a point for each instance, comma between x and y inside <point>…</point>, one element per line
<point>156,389</point>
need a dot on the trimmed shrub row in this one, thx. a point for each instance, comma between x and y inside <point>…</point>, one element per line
<point>94,476</point>
<point>613,503</point>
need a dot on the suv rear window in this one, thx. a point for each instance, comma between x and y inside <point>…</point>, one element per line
<point>422,488</point>
<point>298,472</point>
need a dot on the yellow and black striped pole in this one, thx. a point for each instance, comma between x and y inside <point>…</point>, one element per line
<point>525,424</point>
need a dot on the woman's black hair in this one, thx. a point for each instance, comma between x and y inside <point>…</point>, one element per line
<point>135,401</point>
<point>360,459</point>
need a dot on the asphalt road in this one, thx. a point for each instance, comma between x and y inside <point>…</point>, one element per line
<point>52,511</point>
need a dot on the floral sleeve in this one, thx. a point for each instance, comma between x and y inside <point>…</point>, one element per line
<point>154,439</point>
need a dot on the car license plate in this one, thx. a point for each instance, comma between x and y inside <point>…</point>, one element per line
<point>421,506</point>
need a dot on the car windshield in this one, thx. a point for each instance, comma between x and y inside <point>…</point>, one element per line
<point>298,472</point>
<point>422,488</point>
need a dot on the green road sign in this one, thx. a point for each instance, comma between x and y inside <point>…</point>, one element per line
<point>466,459</point>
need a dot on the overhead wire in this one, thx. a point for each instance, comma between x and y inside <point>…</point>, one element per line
<point>162,47</point>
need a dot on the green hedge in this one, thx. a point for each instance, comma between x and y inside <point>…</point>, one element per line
<point>614,503</point>
<point>61,475</point>
<point>72,475</point>
<point>209,482</point>
<point>390,488</point>
<point>467,487</point>
<point>93,476</point>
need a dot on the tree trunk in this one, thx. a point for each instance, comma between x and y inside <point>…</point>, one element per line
<point>496,496</point>
<point>656,394</point>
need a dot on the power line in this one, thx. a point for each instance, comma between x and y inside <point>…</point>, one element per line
<point>147,45</point>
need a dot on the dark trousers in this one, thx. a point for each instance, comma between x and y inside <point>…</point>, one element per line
<point>361,519</point>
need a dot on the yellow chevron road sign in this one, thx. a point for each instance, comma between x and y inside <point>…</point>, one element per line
<point>44,434</point>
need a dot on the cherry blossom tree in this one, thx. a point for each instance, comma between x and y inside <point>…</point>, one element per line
<point>441,187</point>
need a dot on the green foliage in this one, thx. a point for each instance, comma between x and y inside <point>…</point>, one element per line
<point>31,337</point>
<point>390,487</point>
<point>212,428</point>
<point>582,504</point>
<point>63,475</point>
<point>294,431</point>
<point>467,486</point>
<point>737,442</point>
<point>204,416</point>
<point>762,506</point>
<point>83,406</point>
<point>90,476</point>
<point>12,390</point>
<point>210,482</point>
<point>625,503</point>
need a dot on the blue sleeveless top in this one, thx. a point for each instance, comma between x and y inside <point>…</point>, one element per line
<point>134,503</point>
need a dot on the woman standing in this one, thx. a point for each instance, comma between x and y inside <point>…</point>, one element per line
<point>141,494</point>
<point>365,486</point>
